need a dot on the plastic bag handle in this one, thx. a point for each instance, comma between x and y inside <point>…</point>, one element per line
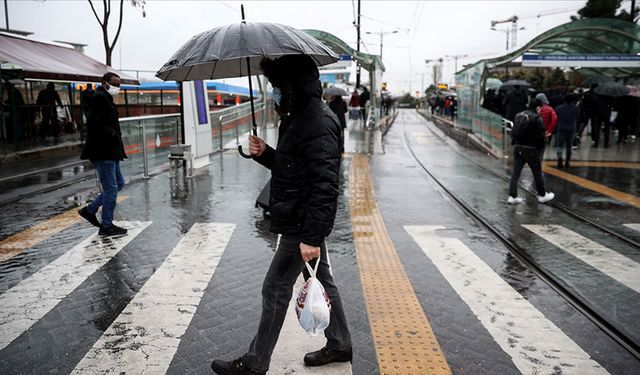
<point>313,271</point>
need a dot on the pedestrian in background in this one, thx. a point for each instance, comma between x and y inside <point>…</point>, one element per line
<point>354,103</point>
<point>339,107</point>
<point>549,119</point>
<point>305,168</point>
<point>515,102</point>
<point>568,114</point>
<point>105,150</point>
<point>364,98</point>
<point>528,138</point>
<point>47,100</point>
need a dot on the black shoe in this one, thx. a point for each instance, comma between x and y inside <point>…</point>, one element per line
<point>566,164</point>
<point>89,217</point>
<point>113,230</point>
<point>325,356</point>
<point>235,367</point>
<point>559,162</point>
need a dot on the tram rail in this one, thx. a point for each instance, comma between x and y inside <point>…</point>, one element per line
<point>580,303</point>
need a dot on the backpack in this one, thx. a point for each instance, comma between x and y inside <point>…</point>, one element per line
<point>520,123</point>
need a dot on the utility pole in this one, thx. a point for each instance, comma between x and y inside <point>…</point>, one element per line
<point>633,9</point>
<point>6,13</point>
<point>382,34</point>
<point>357,49</point>
<point>455,58</point>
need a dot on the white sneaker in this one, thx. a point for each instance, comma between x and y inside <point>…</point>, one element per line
<point>546,198</point>
<point>514,200</point>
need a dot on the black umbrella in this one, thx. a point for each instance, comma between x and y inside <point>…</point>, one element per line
<point>611,89</point>
<point>335,91</point>
<point>236,51</point>
<point>513,83</point>
<point>596,79</point>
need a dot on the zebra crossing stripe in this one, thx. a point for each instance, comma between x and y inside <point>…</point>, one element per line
<point>634,226</point>
<point>17,243</point>
<point>294,343</point>
<point>535,344</point>
<point>145,336</point>
<point>35,296</point>
<point>612,263</point>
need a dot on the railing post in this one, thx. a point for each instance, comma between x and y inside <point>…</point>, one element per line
<point>141,128</point>
<point>236,116</point>
<point>220,132</point>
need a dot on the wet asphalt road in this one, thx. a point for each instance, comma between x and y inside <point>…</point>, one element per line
<point>227,314</point>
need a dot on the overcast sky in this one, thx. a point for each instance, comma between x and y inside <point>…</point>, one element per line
<point>426,29</point>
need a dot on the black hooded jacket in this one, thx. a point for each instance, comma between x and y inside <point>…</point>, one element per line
<point>305,165</point>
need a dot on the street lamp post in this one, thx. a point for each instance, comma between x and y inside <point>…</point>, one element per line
<point>382,34</point>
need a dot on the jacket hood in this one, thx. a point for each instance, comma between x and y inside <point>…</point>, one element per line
<point>543,98</point>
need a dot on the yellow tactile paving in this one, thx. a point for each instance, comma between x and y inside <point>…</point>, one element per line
<point>605,164</point>
<point>403,339</point>
<point>14,245</point>
<point>599,188</point>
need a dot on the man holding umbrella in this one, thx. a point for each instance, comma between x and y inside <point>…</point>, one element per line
<point>305,169</point>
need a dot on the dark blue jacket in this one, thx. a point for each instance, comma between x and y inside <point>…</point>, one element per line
<point>567,117</point>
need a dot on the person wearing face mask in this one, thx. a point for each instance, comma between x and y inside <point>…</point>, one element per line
<point>305,169</point>
<point>104,148</point>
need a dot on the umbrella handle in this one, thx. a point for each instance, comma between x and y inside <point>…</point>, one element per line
<point>243,154</point>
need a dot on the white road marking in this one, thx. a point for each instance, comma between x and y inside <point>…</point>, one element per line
<point>634,226</point>
<point>612,263</point>
<point>145,336</point>
<point>294,343</point>
<point>535,344</point>
<point>35,296</point>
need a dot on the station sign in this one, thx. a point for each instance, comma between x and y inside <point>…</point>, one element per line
<point>583,60</point>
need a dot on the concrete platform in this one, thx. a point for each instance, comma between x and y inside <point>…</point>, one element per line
<point>74,303</point>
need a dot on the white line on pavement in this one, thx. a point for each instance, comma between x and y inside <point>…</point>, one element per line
<point>145,336</point>
<point>634,226</point>
<point>35,296</point>
<point>535,344</point>
<point>612,263</point>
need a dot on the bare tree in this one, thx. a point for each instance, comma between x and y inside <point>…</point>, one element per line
<point>104,23</point>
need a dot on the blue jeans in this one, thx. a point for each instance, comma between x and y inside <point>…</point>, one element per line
<point>277,289</point>
<point>564,140</point>
<point>112,182</point>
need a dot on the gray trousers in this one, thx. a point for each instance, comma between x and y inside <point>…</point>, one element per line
<point>286,266</point>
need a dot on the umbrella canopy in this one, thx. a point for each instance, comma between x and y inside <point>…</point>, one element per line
<point>492,83</point>
<point>514,82</point>
<point>236,51</point>
<point>597,79</point>
<point>335,91</point>
<point>611,89</point>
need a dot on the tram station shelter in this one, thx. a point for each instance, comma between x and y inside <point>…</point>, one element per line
<point>371,63</point>
<point>608,47</point>
<point>27,64</point>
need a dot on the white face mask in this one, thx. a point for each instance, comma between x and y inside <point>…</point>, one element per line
<point>113,90</point>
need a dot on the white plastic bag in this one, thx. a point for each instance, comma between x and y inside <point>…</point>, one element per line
<point>313,306</point>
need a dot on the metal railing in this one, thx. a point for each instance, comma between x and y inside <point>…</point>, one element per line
<point>147,139</point>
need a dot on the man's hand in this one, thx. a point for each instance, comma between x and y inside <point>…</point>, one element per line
<point>309,252</point>
<point>256,145</point>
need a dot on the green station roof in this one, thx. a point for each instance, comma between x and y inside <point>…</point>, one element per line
<point>590,36</point>
<point>367,61</point>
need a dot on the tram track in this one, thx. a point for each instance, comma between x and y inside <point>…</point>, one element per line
<point>575,299</point>
<point>567,210</point>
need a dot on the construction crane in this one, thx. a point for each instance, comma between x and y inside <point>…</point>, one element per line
<point>514,22</point>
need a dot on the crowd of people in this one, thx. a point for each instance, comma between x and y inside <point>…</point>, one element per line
<point>599,113</point>
<point>443,105</point>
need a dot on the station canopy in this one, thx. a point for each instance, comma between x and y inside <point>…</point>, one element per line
<point>367,61</point>
<point>37,60</point>
<point>587,37</point>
